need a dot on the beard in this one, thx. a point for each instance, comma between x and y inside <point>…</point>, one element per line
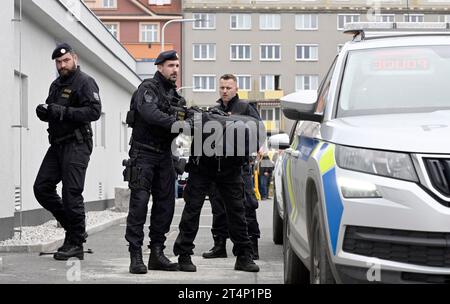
<point>173,78</point>
<point>66,72</point>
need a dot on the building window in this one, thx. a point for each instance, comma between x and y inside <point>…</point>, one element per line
<point>109,4</point>
<point>269,22</point>
<point>149,32</point>
<point>307,52</point>
<point>241,22</point>
<point>444,18</point>
<point>414,18</point>
<point>344,19</point>
<point>270,52</point>
<point>385,18</point>
<point>125,132</point>
<point>204,83</point>
<point>240,52</point>
<point>306,82</point>
<point>269,82</point>
<point>204,51</point>
<point>244,82</point>
<point>159,2</point>
<point>306,22</point>
<point>205,21</point>
<point>19,111</point>
<point>113,28</point>
<point>100,132</point>
<point>270,114</point>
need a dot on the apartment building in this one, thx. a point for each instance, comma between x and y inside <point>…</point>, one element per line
<point>138,25</point>
<point>278,47</point>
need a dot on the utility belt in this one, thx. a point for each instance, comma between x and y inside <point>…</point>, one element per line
<point>79,135</point>
<point>151,148</point>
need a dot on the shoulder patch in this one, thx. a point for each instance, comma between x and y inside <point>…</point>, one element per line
<point>96,96</point>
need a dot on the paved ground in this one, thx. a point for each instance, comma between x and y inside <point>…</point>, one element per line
<point>110,262</point>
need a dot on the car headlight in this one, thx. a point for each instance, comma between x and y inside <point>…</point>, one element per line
<point>389,164</point>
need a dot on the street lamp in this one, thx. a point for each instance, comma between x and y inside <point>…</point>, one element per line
<point>189,87</point>
<point>173,21</point>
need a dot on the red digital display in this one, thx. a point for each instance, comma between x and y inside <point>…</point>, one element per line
<point>400,64</point>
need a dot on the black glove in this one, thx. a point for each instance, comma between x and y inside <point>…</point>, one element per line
<point>56,111</point>
<point>42,112</point>
<point>179,165</point>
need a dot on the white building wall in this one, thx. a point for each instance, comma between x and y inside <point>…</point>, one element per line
<point>6,132</point>
<point>101,57</point>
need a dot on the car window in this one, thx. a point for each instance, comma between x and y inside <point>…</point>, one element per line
<point>395,80</point>
<point>324,89</point>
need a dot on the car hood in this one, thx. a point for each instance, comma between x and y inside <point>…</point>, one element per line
<point>408,132</point>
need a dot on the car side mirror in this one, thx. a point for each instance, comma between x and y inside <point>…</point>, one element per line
<point>301,106</point>
<point>279,142</point>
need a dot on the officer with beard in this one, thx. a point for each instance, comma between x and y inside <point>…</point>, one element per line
<point>155,107</point>
<point>72,104</point>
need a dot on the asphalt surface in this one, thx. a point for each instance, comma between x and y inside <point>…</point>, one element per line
<point>110,261</point>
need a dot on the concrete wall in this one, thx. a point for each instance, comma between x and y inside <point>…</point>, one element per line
<point>6,132</point>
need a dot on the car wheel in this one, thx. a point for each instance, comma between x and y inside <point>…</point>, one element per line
<point>277,224</point>
<point>320,264</point>
<point>294,270</point>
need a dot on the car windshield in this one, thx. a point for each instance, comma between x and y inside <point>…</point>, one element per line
<point>396,80</point>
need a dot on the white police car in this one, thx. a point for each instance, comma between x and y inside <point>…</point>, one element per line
<point>366,180</point>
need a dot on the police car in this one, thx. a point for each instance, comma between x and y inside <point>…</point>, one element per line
<point>366,179</point>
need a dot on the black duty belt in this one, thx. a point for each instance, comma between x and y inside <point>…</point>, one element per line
<point>80,135</point>
<point>152,148</point>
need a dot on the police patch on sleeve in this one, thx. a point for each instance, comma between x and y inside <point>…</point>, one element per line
<point>148,97</point>
<point>96,96</point>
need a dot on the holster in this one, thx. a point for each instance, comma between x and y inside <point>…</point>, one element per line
<point>131,172</point>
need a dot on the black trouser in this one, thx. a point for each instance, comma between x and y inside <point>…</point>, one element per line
<point>230,186</point>
<point>156,176</point>
<point>65,162</point>
<point>219,222</point>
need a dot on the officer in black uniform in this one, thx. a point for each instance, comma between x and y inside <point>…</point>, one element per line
<point>73,102</point>
<point>230,103</point>
<point>155,106</point>
<point>226,174</point>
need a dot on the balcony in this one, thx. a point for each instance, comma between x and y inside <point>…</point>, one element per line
<point>145,51</point>
<point>272,126</point>
<point>243,94</point>
<point>302,4</point>
<point>276,94</point>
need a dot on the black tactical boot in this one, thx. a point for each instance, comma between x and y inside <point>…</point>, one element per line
<point>158,261</point>
<point>66,243</point>
<point>245,263</point>
<point>255,253</point>
<point>185,263</point>
<point>70,251</point>
<point>68,239</point>
<point>137,265</point>
<point>218,251</point>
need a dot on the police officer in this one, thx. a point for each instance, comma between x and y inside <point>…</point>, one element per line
<point>73,102</point>
<point>230,103</point>
<point>226,174</point>
<point>155,106</point>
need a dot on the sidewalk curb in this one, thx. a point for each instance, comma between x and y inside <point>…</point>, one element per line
<point>53,245</point>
